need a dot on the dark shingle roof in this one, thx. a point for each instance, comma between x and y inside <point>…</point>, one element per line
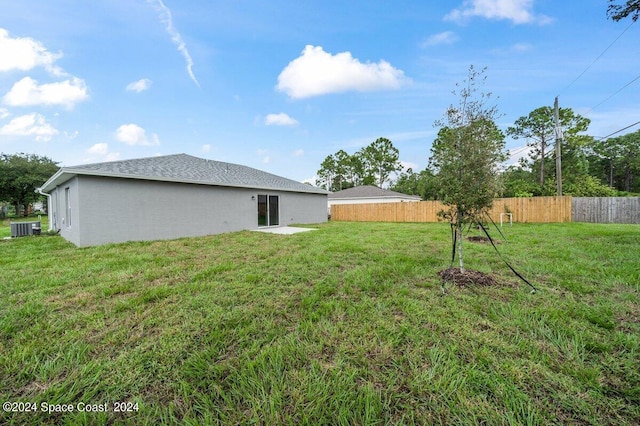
<point>368,191</point>
<point>186,169</point>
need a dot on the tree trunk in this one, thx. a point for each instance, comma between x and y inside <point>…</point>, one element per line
<point>460,257</point>
<point>627,179</point>
<point>611,173</point>
<point>543,146</point>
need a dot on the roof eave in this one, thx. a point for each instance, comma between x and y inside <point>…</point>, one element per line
<point>408,197</point>
<point>59,178</point>
<point>55,180</point>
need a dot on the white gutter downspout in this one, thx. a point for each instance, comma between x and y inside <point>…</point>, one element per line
<point>39,191</point>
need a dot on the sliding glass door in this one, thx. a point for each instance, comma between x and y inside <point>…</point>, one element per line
<point>268,210</point>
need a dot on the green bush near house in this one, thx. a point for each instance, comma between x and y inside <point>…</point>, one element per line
<point>344,325</point>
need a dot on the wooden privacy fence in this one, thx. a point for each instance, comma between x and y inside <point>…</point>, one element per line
<point>532,210</point>
<point>606,209</point>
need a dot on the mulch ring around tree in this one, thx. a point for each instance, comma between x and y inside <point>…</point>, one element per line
<point>467,278</point>
<point>481,239</point>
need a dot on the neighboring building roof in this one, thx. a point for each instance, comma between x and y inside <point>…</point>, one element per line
<point>369,191</point>
<point>183,168</point>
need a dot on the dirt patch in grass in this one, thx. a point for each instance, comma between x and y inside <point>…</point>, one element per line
<point>481,239</point>
<point>467,278</point>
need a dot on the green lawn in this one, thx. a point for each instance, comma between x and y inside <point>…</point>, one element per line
<point>344,325</point>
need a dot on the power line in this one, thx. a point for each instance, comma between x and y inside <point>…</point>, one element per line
<point>596,60</point>
<point>613,94</point>
<point>618,131</point>
<point>517,151</point>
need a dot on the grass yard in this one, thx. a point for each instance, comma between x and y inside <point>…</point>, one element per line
<point>344,325</point>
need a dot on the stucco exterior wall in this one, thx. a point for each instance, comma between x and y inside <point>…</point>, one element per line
<point>67,221</point>
<point>117,210</point>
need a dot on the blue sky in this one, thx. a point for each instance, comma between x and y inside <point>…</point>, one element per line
<point>279,85</point>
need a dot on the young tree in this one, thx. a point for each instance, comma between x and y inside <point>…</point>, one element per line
<point>20,175</point>
<point>465,157</point>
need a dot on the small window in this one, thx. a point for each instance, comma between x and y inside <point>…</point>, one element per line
<point>67,202</point>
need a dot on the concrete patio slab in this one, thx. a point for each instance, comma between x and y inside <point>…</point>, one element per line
<point>284,230</point>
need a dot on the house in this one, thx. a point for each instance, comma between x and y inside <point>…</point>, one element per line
<point>368,194</point>
<point>173,196</point>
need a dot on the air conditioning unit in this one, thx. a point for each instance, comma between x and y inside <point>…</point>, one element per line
<point>23,229</point>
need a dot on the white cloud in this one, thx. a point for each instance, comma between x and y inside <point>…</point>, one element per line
<point>71,135</point>
<point>100,152</point>
<point>30,125</point>
<point>317,72</point>
<point>520,47</point>
<point>139,86</point>
<point>281,119</point>
<point>514,49</point>
<point>446,37</point>
<point>516,11</point>
<point>4,113</point>
<point>206,148</point>
<point>27,92</point>
<point>167,20</point>
<point>132,134</point>
<point>263,153</point>
<point>99,149</point>
<point>25,53</point>
<point>298,153</point>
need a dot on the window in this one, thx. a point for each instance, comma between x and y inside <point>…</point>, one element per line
<point>268,210</point>
<point>67,202</point>
<point>274,217</point>
<point>263,219</point>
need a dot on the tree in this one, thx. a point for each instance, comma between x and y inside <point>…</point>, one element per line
<point>380,159</point>
<point>327,173</point>
<point>589,186</point>
<point>371,165</point>
<point>465,158</point>
<point>20,175</point>
<point>538,128</point>
<point>621,158</point>
<point>349,168</point>
<point>607,152</point>
<point>629,160</point>
<point>519,181</point>
<point>421,184</point>
<point>618,12</point>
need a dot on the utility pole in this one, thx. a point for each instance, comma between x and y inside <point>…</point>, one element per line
<point>558,147</point>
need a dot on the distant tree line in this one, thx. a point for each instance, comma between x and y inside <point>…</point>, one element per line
<point>371,165</point>
<point>591,167</point>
